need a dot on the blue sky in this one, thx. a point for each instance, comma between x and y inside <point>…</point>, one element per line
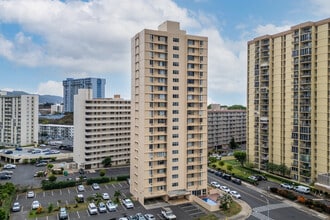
<point>44,42</point>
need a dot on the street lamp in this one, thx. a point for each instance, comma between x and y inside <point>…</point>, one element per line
<point>267,205</point>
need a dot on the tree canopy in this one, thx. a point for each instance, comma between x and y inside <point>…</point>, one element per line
<point>240,156</point>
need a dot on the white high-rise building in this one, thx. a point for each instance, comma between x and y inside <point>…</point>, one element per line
<point>18,120</point>
<point>101,129</point>
<point>169,114</point>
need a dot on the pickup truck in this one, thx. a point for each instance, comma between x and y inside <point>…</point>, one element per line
<point>168,213</point>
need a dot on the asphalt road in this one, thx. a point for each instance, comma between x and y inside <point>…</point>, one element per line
<point>276,207</point>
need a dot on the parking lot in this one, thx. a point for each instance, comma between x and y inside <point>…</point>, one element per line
<point>66,197</point>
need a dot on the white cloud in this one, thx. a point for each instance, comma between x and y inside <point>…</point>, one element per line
<point>320,8</point>
<point>50,88</point>
<point>270,29</point>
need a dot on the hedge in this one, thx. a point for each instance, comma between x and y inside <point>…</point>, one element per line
<point>103,179</point>
<point>122,178</point>
<point>47,185</point>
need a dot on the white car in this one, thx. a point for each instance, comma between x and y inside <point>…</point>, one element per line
<point>81,188</point>
<point>92,209</point>
<point>112,207</point>
<point>225,189</point>
<point>102,208</point>
<point>235,194</point>
<point>286,186</point>
<point>35,204</point>
<point>95,186</point>
<point>215,184</point>
<point>9,166</point>
<point>128,203</point>
<point>149,217</point>
<point>30,194</point>
<point>105,196</point>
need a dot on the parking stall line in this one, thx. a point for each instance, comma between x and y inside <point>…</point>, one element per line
<point>88,214</point>
<point>106,187</point>
<point>60,192</point>
<point>69,191</point>
<point>78,214</point>
<point>44,193</point>
<point>66,201</point>
<point>113,185</point>
<point>52,193</point>
<point>120,185</point>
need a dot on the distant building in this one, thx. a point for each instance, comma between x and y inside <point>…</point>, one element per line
<point>71,86</point>
<point>57,108</point>
<point>55,131</point>
<point>18,119</point>
<point>223,125</point>
<point>102,129</point>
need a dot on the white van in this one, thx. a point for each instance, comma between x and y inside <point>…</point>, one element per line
<point>302,189</point>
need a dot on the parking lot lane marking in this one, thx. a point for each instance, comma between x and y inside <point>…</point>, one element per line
<point>52,193</point>
<point>60,192</point>
<point>106,187</point>
<point>120,185</point>
<point>44,193</point>
<point>78,214</point>
<point>69,191</point>
<point>88,213</point>
<point>66,201</point>
<point>124,195</point>
<point>113,185</point>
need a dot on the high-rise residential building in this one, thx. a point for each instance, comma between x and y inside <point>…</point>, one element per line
<point>288,101</point>
<point>225,125</point>
<point>71,87</point>
<point>101,130</point>
<point>56,131</point>
<point>169,114</point>
<point>56,109</point>
<point>18,119</point>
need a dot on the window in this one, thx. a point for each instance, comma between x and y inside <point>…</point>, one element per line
<point>191,66</point>
<point>175,135</point>
<point>175,128</point>
<point>175,176</point>
<point>175,71</point>
<point>175,48</point>
<point>175,112</point>
<point>175,152</point>
<point>190,73</point>
<point>190,81</point>
<point>175,63</point>
<point>175,144</point>
<point>191,42</point>
<point>175,55</point>
<point>175,87</point>
<point>175,103</point>
<point>175,79</point>
<point>176,39</point>
<point>175,184</point>
<point>175,96</point>
<point>175,120</point>
<point>175,168</point>
<point>175,160</point>
<point>190,57</point>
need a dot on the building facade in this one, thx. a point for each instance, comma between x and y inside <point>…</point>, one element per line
<point>55,131</point>
<point>71,87</point>
<point>288,101</point>
<point>169,114</point>
<point>223,125</point>
<point>56,109</point>
<point>18,120</point>
<point>101,130</point>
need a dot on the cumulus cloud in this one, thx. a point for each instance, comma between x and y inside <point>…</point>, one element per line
<point>50,88</point>
<point>320,8</point>
<point>270,29</point>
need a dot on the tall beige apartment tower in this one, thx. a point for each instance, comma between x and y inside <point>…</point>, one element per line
<point>169,114</point>
<point>288,101</point>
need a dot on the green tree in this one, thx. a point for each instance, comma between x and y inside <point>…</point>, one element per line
<point>3,214</point>
<point>212,159</point>
<point>52,178</point>
<point>225,201</point>
<point>240,156</point>
<point>107,162</point>
<point>102,173</point>
<point>50,166</point>
<point>50,207</point>
<point>229,167</point>
<point>233,144</point>
<point>221,163</point>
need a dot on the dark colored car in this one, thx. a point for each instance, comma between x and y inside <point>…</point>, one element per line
<point>260,177</point>
<point>226,176</point>
<point>218,173</point>
<point>237,181</point>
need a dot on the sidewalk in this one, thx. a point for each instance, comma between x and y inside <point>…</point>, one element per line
<point>244,214</point>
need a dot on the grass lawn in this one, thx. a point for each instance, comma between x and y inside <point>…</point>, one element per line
<point>234,209</point>
<point>70,208</point>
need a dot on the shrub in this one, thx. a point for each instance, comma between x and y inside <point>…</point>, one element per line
<point>122,178</point>
<point>102,173</point>
<point>39,210</point>
<point>221,163</point>
<point>301,199</point>
<point>47,185</point>
<point>229,167</point>
<point>98,180</point>
<point>273,189</point>
<point>50,208</point>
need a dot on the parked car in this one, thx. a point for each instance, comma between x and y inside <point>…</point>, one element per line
<point>95,186</point>
<point>226,176</point>
<point>35,204</point>
<point>235,194</point>
<point>128,203</point>
<point>102,208</point>
<point>253,178</point>
<point>80,188</point>
<point>215,184</point>
<point>218,173</point>
<point>80,198</point>
<point>260,177</point>
<point>16,207</point>
<point>302,189</point>
<point>5,177</point>
<point>225,189</point>
<point>112,207</point>
<point>19,148</point>
<point>92,209</point>
<point>9,152</point>
<point>140,216</point>
<point>150,217</point>
<point>63,215</point>
<point>42,164</point>
<point>30,194</point>
<point>167,213</point>
<point>105,196</point>
<point>9,166</point>
<point>236,180</point>
<point>286,185</point>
